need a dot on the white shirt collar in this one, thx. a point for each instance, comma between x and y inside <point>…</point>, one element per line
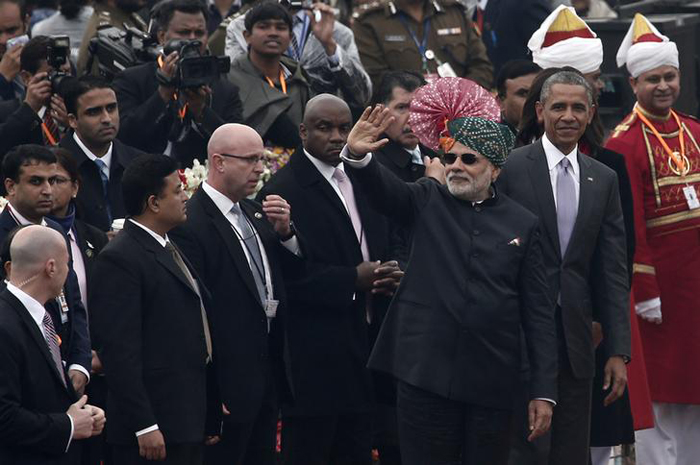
<point>106,158</point>
<point>554,155</point>
<point>41,112</point>
<point>223,203</point>
<point>325,169</point>
<point>161,240</point>
<point>35,309</point>
<point>21,220</point>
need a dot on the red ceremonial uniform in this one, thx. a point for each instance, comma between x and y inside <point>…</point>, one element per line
<point>667,259</point>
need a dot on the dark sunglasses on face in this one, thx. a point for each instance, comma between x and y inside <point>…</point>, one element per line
<point>467,158</point>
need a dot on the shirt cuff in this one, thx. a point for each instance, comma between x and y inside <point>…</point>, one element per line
<point>81,369</point>
<point>70,438</point>
<point>150,429</point>
<point>292,244</point>
<point>546,400</point>
<point>354,162</point>
<point>334,60</point>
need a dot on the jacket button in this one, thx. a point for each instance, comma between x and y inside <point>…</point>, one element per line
<point>476,232</point>
<point>477,209</point>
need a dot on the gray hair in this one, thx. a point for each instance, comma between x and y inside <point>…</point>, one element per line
<point>566,77</point>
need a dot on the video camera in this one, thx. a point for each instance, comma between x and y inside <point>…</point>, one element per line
<point>193,69</point>
<point>117,49</point>
<point>57,57</point>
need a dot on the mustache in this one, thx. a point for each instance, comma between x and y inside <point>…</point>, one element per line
<point>462,176</point>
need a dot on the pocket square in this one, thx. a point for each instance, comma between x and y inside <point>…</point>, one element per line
<point>515,242</point>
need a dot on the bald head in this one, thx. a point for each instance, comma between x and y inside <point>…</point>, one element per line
<point>235,139</point>
<point>321,105</point>
<point>33,246</point>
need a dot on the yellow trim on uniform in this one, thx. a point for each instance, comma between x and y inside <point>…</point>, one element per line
<point>674,180</point>
<point>646,269</point>
<point>673,218</point>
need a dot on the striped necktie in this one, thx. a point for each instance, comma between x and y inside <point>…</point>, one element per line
<point>52,341</point>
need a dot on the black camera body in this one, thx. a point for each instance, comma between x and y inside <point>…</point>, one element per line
<point>57,57</point>
<point>195,69</point>
<point>116,49</point>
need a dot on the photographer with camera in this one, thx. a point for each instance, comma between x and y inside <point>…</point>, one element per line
<point>13,30</point>
<point>39,116</point>
<point>164,106</point>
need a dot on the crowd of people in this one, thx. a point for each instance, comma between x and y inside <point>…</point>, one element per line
<point>457,264</point>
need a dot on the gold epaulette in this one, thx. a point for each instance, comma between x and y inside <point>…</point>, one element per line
<point>366,8</point>
<point>625,125</point>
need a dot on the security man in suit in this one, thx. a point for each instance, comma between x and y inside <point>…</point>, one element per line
<point>577,199</point>
<point>431,37</point>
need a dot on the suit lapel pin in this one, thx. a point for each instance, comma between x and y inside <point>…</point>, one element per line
<point>590,179</point>
<point>515,242</point>
<point>89,245</point>
<point>89,253</point>
<point>258,215</point>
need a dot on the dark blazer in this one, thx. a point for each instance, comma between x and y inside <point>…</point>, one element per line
<point>75,346</point>
<point>147,325</point>
<point>90,242</point>
<point>146,120</point>
<point>242,344</point>
<point>398,160</point>
<point>592,274</point>
<point>326,322</point>
<point>34,427</point>
<point>90,202</point>
<point>474,277</point>
<point>19,124</point>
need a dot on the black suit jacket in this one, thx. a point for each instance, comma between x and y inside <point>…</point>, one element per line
<point>75,336</point>
<point>398,160</point>
<point>146,120</point>
<point>147,326</point>
<point>19,124</point>
<point>34,427</point>
<point>242,345</point>
<point>90,242</point>
<point>475,276</point>
<point>327,329</point>
<point>593,273</point>
<point>90,202</point>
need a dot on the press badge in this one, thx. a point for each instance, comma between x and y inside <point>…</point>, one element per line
<point>64,307</point>
<point>271,307</point>
<point>445,70</point>
<point>691,197</point>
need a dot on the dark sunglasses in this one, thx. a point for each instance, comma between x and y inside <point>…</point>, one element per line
<point>467,158</point>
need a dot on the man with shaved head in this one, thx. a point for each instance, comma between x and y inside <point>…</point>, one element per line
<point>337,305</point>
<point>240,247</point>
<point>42,415</point>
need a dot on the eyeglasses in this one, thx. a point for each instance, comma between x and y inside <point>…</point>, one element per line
<point>467,158</point>
<point>253,160</point>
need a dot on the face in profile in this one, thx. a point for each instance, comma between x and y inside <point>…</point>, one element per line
<point>171,201</point>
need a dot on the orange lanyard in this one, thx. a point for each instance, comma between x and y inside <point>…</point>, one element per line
<point>283,82</point>
<point>679,161</point>
<point>47,133</point>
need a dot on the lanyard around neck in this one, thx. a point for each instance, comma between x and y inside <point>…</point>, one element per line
<point>283,82</point>
<point>679,161</point>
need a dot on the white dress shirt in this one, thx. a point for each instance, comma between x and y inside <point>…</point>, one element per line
<point>327,171</point>
<point>554,156</point>
<point>78,266</point>
<point>37,312</point>
<point>106,158</point>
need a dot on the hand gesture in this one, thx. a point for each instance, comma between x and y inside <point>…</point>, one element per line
<point>83,421</point>
<point>365,275</point>
<point>58,110</point>
<point>539,414</point>
<point>9,65</point>
<point>278,212</point>
<point>38,92</point>
<point>363,137</point>
<point>168,70</point>
<point>98,419</point>
<point>323,29</point>
<point>615,373</point>
<point>387,278</point>
<point>79,380</point>
<point>152,445</point>
<point>434,169</point>
<point>196,100</point>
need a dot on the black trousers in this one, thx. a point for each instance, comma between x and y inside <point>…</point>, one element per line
<point>327,440</point>
<point>249,443</point>
<point>176,454</point>
<point>435,430</point>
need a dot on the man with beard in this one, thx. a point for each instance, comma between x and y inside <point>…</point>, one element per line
<point>452,333</point>
<point>663,158</point>
<point>94,119</point>
<point>117,13</point>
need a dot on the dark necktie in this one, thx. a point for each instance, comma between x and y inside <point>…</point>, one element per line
<point>251,244</point>
<point>52,342</point>
<point>104,176</point>
<point>193,282</point>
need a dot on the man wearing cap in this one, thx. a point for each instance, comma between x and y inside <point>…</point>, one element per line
<point>451,335</point>
<point>564,39</point>
<point>663,160</point>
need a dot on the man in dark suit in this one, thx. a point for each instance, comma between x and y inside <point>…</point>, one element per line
<point>37,117</point>
<point>41,418</point>
<point>578,202</point>
<point>30,172</point>
<point>94,119</point>
<point>149,325</point>
<point>455,348</point>
<point>331,306</point>
<point>158,117</point>
<point>244,276</point>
